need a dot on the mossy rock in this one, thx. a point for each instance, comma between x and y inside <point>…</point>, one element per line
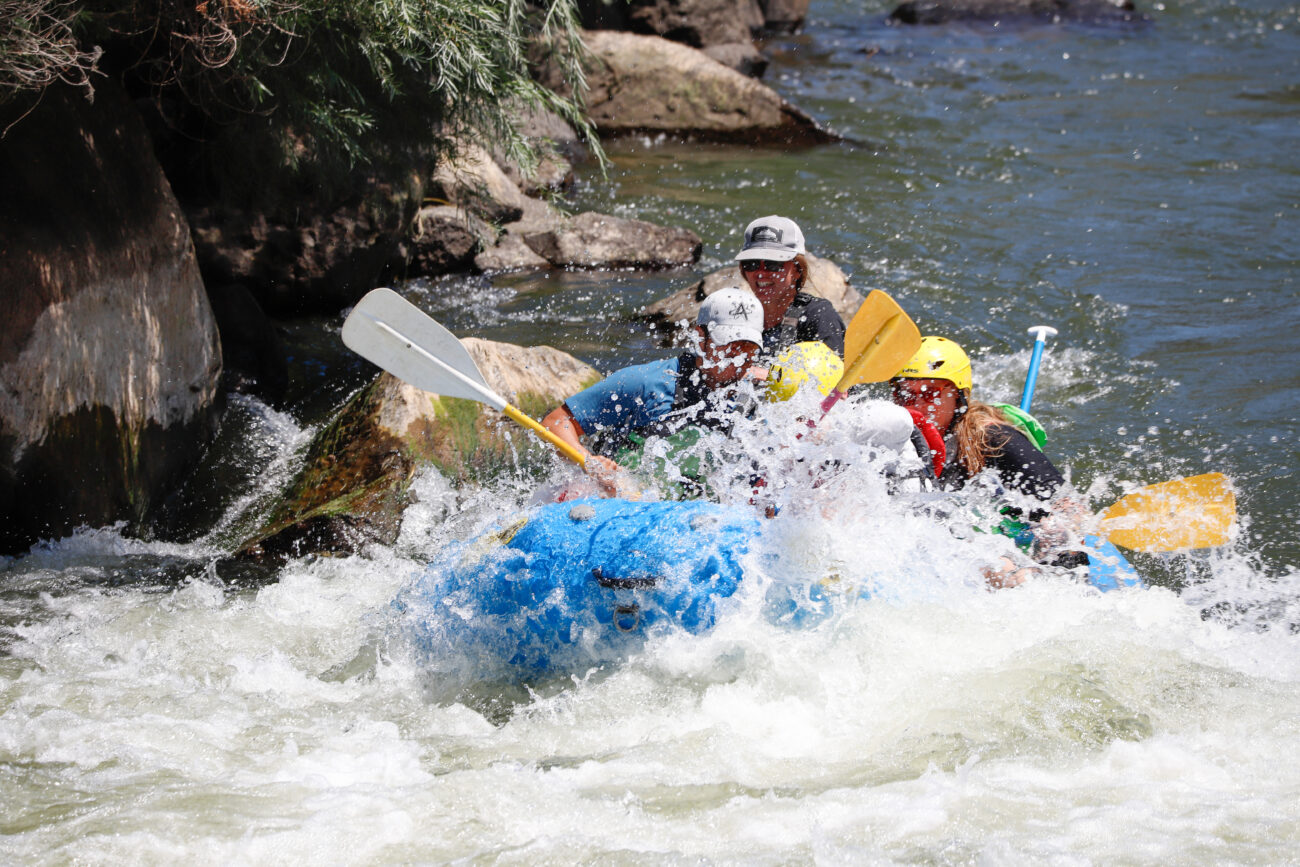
<point>356,476</point>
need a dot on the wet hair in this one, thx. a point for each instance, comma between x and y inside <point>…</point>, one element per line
<point>972,433</point>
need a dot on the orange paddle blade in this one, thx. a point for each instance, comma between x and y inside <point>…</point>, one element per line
<point>1195,512</point>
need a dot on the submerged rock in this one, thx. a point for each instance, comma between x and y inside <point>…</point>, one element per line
<point>109,355</point>
<point>355,480</point>
<point>825,279</point>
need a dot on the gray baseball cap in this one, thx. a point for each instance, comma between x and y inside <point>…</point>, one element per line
<point>775,238</point>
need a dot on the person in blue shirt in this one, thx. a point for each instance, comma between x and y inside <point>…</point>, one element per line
<point>662,396</point>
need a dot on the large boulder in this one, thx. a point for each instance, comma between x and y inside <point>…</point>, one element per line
<point>543,238</point>
<point>697,23</point>
<point>109,355</point>
<point>355,480</point>
<point>645,84</point>
<point>254,359</point>
<point>722,29</point>
<point>1051,11</point>
<point>592,240</point>
<point>673,314</point>
<point>444,239</point>
<point>558,148</point>
<point>320,260</point>
<point>510,253</point>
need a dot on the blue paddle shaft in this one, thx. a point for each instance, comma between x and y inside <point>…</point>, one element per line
<point>1041,333</point>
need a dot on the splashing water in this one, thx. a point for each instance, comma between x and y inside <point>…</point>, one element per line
<point>930,718</point>
<point>1136,194</point>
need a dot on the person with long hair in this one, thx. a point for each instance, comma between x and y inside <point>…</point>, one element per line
<point>967,437</point>
<point>774,262</point>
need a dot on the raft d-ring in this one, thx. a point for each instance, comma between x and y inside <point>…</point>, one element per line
<point>627,617</point>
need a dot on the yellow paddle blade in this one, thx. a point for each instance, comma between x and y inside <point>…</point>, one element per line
<point>879,342</point>
<point>1195,512</point>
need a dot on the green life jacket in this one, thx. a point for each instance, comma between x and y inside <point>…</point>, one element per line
<point>675,465</point>
<point>1025,423</point>
<point>1010,526</point>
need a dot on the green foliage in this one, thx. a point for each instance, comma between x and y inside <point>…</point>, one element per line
<point>320,89</point>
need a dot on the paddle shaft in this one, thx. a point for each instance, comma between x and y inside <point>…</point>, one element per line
<point>545,433</point>
<point>482,393</point>
<point>1041,333</point>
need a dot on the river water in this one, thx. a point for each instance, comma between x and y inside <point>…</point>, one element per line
<point>1135,188</point>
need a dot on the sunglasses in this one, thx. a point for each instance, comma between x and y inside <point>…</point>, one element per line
<point>761,265</point>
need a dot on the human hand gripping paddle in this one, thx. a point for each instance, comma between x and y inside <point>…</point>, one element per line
<point>391,332</point>
<point>1193,512</point>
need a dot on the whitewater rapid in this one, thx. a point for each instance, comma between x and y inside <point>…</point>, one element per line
<point>182,717</point>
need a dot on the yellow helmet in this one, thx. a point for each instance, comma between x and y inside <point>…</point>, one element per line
<point>939,358</point>
<point>797,364</point>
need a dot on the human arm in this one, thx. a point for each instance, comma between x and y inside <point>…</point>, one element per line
<point>625,400</point>
<point>560,421</point>
<point>1055,518</point>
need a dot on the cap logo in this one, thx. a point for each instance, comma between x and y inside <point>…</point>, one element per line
<point>765,234</point>
<point>741,309</point>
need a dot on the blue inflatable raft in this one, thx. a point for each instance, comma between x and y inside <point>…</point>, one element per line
<point>577,584</point>
<point>580,583</point>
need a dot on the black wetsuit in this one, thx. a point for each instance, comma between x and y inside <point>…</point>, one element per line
<point>1020,466</point>
<point>808,318</point>
<point>1023,468</point>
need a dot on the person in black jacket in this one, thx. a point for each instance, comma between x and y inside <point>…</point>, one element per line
<point>774,263</point>
<point>969,437</point>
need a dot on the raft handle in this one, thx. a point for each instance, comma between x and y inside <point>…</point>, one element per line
<point>635,582</point>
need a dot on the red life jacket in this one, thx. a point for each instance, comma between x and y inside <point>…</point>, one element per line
<point>938,451</point>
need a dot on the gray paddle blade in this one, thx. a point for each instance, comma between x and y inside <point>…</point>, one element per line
<point>390,331</point>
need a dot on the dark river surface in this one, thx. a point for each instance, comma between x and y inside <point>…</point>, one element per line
<point>1136,188</point>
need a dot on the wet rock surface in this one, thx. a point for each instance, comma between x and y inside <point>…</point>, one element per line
<point>110,361</point>
<point>356,476</point>
<point>645,84</point>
